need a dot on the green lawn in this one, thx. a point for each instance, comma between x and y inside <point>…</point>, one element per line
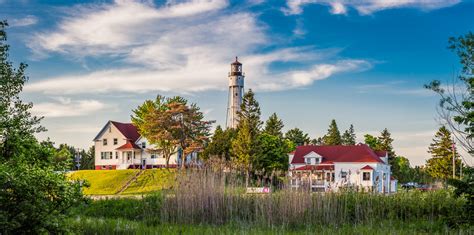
<point>109,182</point>
<point>104,182</point>
<point>151,180</point>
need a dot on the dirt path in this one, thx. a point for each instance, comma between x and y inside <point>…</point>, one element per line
<point>130,181</point>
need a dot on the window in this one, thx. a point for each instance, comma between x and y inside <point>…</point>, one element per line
<point>343,174</point>
<point>365,176</point>
<point>143,145</point>
<point>115,141</point>
<point>153,156</point>
<point>318,160</point>
<point>104,141</point>
<point>308,160</point>
<point>103,167</point>
<point>116,155</point>
<point>102,155</point>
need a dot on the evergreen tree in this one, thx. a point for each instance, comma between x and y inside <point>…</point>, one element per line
<point>349,137</point>
<point>245,145</point>
<point>221,144</point>
<point>317,141</point>
<point>440,165</point>
<point>297,136</point>
<point>274,126</point>
<point>88,159</point>
<point>333,137</point>
<point>250,112</point>
<point>385,143</point>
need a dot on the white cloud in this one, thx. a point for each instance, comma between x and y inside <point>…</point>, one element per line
<point>164,51</point>
<point>25,21</point>
<point>64,107</point>
<point>366,7</point>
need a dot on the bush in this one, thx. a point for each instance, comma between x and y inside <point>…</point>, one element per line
<point>34,199</point>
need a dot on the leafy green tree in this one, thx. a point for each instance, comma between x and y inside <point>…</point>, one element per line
<point>273,154</point>
<point>349,136</point>
<point>457,99</point>
<point>440,165</point>
<point>171,122</point>
<point>221,144</point>
<point>405,172</point>
<point>372,142</point>
<point>465,188</point>
<point>17,125</point>
<point>297,136</point>
<point>63,159</point>
<point>274,126</point>
<point>333,137</point>
<point>33,198</point>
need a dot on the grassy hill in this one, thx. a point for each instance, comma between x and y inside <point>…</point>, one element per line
<point>109,182</point>
<point>151,180</point>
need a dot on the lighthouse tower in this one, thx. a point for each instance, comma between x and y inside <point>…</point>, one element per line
<point>236,90</point>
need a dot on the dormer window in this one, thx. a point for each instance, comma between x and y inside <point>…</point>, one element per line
<point>318,160</point>
<point>308,160</point>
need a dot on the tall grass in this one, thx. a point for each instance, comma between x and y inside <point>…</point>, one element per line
<point>216,198</point>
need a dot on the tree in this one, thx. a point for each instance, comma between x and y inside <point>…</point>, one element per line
<point>457,99</point>
<point>440,165</point>
<point>372,142</point>
<point>88,159</point>
<point>385,143</point>
<point>405,172</point>
<point>221,144</point>
<point>171,122</point>
<point>273,154</point>
<point>34,199</point>
<point>333,137</point>
<point>245,144</point>
<point>17,125</point>
<point>297,136</point>
<point>274,126</point>
<point>63,159</point>
<point>349,136</point>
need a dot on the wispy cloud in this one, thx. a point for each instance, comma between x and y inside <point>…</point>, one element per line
<point>366,7</point>
<point>65,107</point>
<point>25,21</point>
<point>182,47</point>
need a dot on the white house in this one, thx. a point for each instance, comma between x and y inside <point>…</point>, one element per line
<point>120,146</point>
<point>330,168</point>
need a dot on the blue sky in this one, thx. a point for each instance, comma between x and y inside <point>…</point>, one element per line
<point>359,62</point>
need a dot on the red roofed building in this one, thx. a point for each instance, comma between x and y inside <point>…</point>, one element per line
<point>328,168</point>
<point>120,146</point>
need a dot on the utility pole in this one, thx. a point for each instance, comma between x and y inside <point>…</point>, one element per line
<point>454,160</point>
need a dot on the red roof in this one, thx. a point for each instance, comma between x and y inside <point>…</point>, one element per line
<point>128,130</point>
<point>128,145</point>
<point>338,153</point>
<point>381,153</point>
<point>367,168</point>
<point>317,167</point>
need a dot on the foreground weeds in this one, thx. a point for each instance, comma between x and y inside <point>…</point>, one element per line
<point>206,202</point>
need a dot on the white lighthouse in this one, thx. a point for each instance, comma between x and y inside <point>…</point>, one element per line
<point>236,90</point>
